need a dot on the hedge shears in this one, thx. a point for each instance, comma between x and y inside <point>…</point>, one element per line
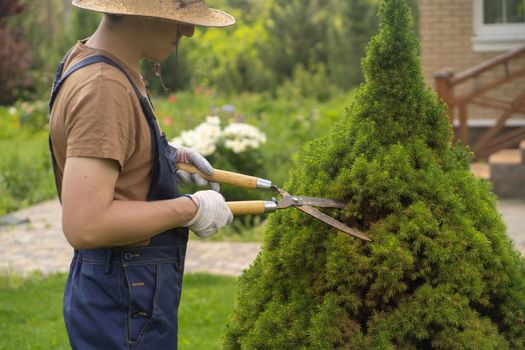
<point>305,204</point>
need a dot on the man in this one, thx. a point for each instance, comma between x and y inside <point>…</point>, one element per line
<point>121,208</point>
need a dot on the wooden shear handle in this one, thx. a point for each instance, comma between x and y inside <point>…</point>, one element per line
<point>222,176</point>
<point>240,180</point>
<point>250,207</point>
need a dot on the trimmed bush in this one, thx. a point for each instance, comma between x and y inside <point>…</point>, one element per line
<point>441,272</point>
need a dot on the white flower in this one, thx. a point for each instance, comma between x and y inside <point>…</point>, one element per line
<point>12,110</point>
<point>236,146</point>
<point>213,119</point>
<point>208,151</point>
<point>211,132</point>
<point>203,138</point>
<point>238,137</point>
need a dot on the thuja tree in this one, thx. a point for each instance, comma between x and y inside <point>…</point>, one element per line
<point>440,273</point>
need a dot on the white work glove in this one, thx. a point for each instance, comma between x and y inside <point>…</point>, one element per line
<point>180,154</point>
<point>212,214</point>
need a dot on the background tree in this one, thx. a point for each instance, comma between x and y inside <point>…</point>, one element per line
<point>306,47</point>
<point>314,46</point>
<point>15,57</point>
<point>319,35</point>
<point>347,36</point>
<point>441,272</point>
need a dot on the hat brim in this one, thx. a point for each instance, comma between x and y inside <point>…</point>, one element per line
<point>196,13</point>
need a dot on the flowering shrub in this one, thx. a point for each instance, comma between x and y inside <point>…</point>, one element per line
<point>203,138</point>
<point>240,137</point>
<point>207,136</point>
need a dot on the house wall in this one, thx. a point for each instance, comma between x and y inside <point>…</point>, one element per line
<point>446,31</point>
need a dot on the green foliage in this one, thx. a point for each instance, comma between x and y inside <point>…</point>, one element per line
<point>25,165</point>
<point>229,59</point>
<point>314,44</point>
<point>51,28</point>
<point>440,273</point>
<point>312,33</point>
<point>31,311</point>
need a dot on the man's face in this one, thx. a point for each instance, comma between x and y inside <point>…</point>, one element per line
<point>163,36</point>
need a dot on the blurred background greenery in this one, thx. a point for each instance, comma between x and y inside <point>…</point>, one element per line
<point>287,67</point>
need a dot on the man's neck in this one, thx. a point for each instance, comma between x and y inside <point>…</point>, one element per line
<point>118,41</point>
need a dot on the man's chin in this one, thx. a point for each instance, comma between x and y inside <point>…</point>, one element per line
<point>159,56</point>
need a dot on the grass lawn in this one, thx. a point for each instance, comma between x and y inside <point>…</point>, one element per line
<point>31,312</point>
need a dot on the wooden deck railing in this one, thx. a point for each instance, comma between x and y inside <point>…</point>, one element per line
<point>492,140</point>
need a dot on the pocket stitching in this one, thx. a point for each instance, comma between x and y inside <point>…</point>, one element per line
<point>124,312</point>
<point>127,313</point>
<point>153,317</point>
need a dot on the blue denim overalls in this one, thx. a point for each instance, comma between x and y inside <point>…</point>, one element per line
<point>118,298</point>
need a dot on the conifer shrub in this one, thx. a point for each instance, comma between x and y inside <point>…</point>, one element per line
<point>441,272</point>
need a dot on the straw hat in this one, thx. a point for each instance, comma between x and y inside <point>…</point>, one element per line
<point>187,11</point>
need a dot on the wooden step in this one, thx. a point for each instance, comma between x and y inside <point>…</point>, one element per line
<point>506,156</point>
<point>481,170</point>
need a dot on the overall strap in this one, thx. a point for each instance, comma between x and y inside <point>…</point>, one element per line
<point>54,91</point>
<point>85,62</point>
<point>58,75</point>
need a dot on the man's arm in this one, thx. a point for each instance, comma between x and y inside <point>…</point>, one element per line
<point>91,218</point>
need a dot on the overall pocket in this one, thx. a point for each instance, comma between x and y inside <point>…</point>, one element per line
<point>143,283</point>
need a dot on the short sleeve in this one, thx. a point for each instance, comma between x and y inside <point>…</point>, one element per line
<point>99,121</point>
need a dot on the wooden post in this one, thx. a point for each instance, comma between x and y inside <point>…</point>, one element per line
<point>445,90</point>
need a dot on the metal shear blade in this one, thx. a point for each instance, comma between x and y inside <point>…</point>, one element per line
<point>289,201</point>
<point>306,206</point>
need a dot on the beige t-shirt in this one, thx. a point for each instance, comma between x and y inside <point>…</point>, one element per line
<point>98,114</point>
